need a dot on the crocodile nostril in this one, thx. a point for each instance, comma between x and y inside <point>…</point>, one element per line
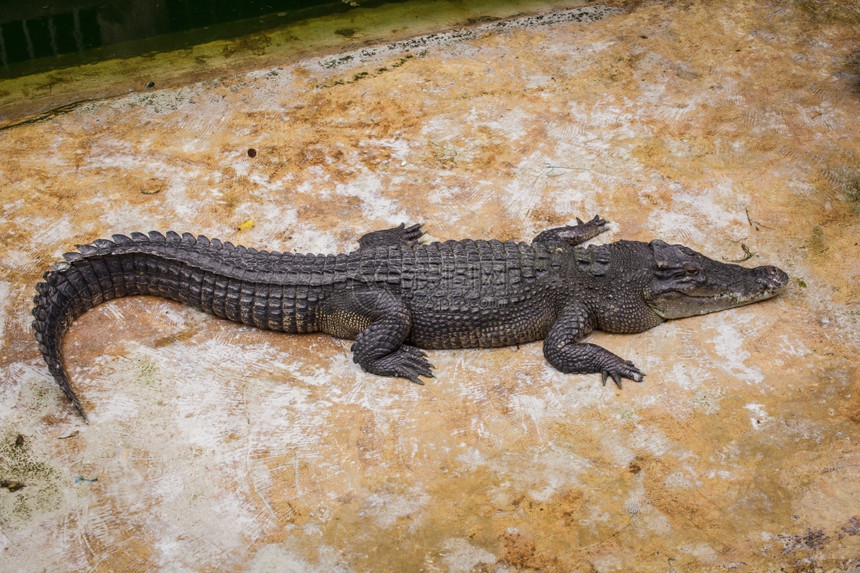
<point>772,277</point>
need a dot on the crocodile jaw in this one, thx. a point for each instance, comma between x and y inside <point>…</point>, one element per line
<point>687,283</point>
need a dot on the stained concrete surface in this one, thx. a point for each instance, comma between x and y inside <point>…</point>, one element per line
<point>729,127</point>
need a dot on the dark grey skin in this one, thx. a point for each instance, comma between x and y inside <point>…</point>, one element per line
<point>394,296</point>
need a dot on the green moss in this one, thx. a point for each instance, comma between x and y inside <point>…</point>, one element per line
<point>32,484</point>
<point>853,189</point>
<point>146,372</point>
<point>819,12</point>
<point>816,243</point>
<point>364,74</point>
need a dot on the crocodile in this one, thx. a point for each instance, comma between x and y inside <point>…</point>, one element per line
<point>396,295</point>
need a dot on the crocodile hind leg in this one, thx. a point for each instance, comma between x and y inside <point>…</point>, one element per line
<point>573,234</point>
<point>400,235</point>
<point>379,322</point>
<point>564,351</point>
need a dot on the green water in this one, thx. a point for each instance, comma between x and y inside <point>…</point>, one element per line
<point>40,36</point>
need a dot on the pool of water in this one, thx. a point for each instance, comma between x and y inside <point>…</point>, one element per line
<point>37,37</point>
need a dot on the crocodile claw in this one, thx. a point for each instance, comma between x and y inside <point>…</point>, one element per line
<point>596,221</point>
<point>396,236</point>
<point>406,362</point>
<point>624,370</point>
<point>411,234</point>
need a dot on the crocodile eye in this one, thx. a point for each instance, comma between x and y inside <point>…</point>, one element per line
<point>691,271</point>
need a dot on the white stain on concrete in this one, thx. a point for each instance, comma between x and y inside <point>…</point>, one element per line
<point>793,346</point>
<point>640,508</point>
<point>368,187</point>
<point>685,479</point>
<point>278,558</point>
<point>729,345</point>
<point>708,205</point>
<point>701,551</point>
<point>758,415</point>
<point>459,555</point>
<point>387,508</point>
<point>5,289</point>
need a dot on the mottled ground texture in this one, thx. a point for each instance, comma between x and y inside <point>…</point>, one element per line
<point>731,127</point>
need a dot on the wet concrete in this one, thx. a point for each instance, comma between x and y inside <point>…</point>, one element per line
<point>730,128</point>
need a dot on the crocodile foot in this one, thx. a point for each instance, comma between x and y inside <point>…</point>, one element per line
<point>406,362</point>
<point>574,234</point>
<point>396,236</point>
<point>619,370</point>
<point>597,224</point>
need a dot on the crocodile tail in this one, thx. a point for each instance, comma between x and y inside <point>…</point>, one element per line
<point>61,298</point>
<point>269,290</point>
<point>99,272</point>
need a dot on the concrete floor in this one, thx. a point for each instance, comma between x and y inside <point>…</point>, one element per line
<point>729,127</point>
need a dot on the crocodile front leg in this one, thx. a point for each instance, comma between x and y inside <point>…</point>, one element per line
<point>379,322</point>
<point>400,235</point>
<point>573,234</point>
<point>564,351</point>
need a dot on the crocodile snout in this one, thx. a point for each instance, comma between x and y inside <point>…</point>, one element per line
<point>772,278</point>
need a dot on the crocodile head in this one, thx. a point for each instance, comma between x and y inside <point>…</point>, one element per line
<point>686,283</point>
